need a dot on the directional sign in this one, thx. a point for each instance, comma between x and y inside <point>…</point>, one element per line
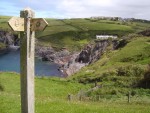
<point>16,23</point>
<point>27,23</point>
<point>38,24</point>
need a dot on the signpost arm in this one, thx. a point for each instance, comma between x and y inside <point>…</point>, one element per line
<point>27,63</point>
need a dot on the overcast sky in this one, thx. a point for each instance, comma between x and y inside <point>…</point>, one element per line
<point>78,8</point>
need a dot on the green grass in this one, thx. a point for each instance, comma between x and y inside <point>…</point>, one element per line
<point>51,97</point>
<point>101,26</point>
<point>3,23</point>
<point>136,51</point>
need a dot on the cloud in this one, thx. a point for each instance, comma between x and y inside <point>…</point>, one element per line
<point>79,8</point>
<point>87,8</point>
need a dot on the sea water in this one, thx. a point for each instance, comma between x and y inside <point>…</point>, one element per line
<point>10,62</point>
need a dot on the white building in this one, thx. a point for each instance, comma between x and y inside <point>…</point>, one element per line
<point>105,37</point>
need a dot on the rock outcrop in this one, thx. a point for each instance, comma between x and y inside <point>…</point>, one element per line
<point>49,54</point>
<point>8,41</point>
<point>89,54</point>
<point>92,52</point>
<point>8,38</point>
<point>145,32</point>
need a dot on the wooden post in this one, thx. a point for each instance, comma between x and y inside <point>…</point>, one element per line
<point>95,83</point>
<point>98,97</point>
<point>27,63</point>
<point>69,97</point>
<point>27,25</point>
<point>80,97</point>
<point>129,97</point>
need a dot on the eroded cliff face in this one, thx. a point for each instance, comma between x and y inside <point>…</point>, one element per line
<point>93,52</point>
<point>9,41</point>
<point>49,54</point>
<point>90,53</point>
<point>6,40</point>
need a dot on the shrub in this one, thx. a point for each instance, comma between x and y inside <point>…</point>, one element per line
<point>130,70</point>
<point>114,92</point>
<point>147,73</point>
<point>1,88</point>
<point>145,82</point>
<point>133,93</point>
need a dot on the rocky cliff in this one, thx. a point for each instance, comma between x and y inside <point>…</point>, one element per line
<point>8,38</point>
<point>49,54</point>
<point>90,53</point>
<point>70,63</point>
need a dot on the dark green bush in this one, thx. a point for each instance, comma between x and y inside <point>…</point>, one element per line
<point>133,93</point>
<point>1,88</point>
<point>145,82</point>
<point>130,70</point>
<point>114,92</point>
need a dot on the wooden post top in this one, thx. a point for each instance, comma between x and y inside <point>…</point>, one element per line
<point>27,13</point>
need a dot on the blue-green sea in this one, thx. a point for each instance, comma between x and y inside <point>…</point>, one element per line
<point>10,62</point>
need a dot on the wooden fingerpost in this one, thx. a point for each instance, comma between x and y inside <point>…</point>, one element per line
<point>27,25</point>
<point>27,41</point>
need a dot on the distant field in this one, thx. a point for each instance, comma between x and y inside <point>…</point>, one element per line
<point>79,30</point>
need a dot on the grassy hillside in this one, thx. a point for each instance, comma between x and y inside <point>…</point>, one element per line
<point>75,33</point>
<point>136,52</point>
<point>3,22</point>
<point>78,32</point>
<point>51,97</point>
<point>120,71</point>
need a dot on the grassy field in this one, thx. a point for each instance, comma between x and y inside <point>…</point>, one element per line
<point>51,97</point>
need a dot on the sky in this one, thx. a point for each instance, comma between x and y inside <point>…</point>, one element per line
<point>139,9</point>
